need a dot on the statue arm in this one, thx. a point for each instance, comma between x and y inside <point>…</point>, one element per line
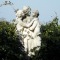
<point>27,25</point>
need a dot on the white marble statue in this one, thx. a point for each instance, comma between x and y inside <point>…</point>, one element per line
<point>28,25</point>
<point>33,31</point>
<point>19,16</point>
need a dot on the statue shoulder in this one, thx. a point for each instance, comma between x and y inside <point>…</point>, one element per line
<point>35,19</point>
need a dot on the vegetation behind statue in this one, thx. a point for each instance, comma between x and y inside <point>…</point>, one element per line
<point>10,45</point>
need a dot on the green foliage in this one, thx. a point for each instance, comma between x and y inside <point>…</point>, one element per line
<point>6,3</point>
<point>11,47</point>
<point>10,44</point>
<point>50,49</point>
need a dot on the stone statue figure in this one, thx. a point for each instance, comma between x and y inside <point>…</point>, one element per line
<point>33,31</point>
<point>19,16</point>
<point>22,17</point>
<point>28,25</point>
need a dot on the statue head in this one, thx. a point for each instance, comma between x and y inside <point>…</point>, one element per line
<point>19,13</point>
<point>35,13</point>
<point>27,10</point>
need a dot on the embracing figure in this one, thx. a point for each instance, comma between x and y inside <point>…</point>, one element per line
<point>28,25</point>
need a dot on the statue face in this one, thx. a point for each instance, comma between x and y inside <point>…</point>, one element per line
<point>35,13</point>
<point>26,10</point>
<point>19,13</point>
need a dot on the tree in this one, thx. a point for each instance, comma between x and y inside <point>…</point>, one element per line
<point>11,47</point>
<point>50,49</point>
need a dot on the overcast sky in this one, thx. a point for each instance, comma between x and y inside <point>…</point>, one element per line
<point>47,9</point>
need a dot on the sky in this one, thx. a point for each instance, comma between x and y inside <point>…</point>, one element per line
<point>47,9</point>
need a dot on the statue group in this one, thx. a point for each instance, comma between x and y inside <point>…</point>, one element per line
<point>28,26</point>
